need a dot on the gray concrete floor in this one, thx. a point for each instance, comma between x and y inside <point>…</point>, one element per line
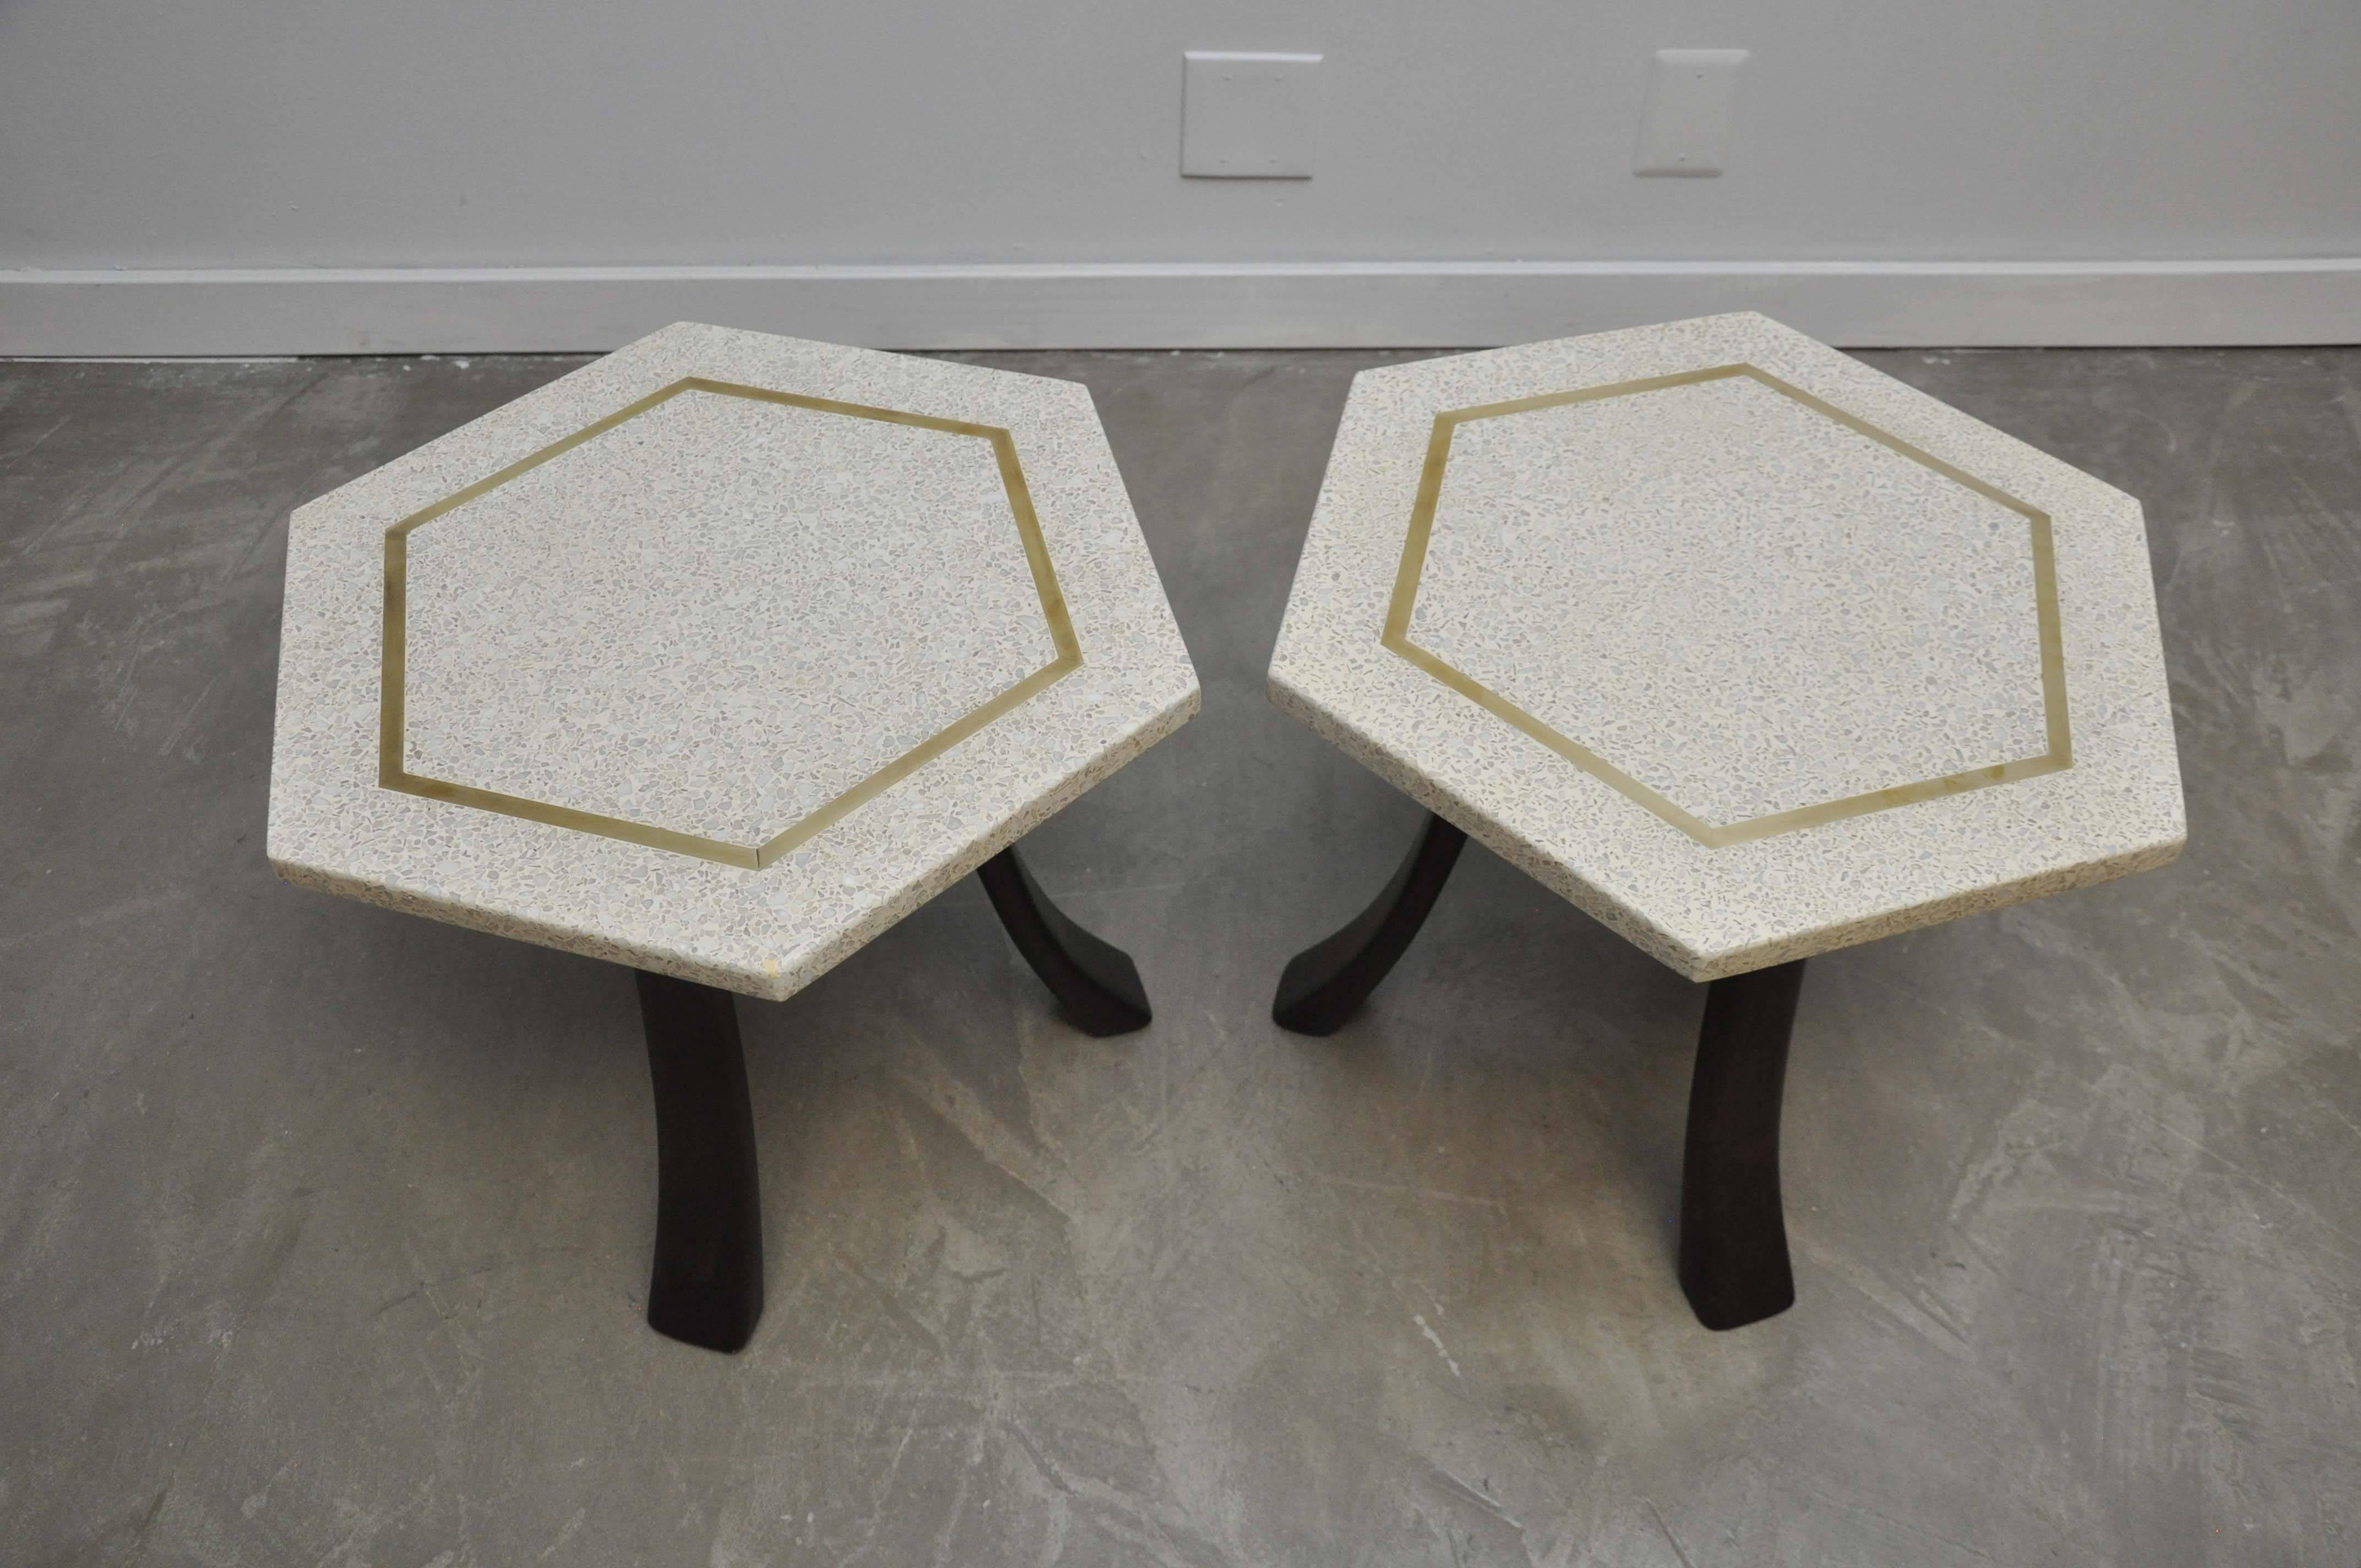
<point>324,1230</point>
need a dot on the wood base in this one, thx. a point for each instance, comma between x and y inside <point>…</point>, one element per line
<point>1095,982</point>
<point>1326,983</point>
<point>1733,1259</point>
<point>1733,1247</point>
<point>707,1286</point>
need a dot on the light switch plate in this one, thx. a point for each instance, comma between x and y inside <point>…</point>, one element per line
<point>1248,116</point>
<point>1684,130</point>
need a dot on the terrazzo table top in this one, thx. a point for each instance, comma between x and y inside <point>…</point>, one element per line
<point>1746,650</point>
<point>718,656</point>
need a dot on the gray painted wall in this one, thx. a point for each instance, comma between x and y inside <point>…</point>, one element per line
<point>291,136</point>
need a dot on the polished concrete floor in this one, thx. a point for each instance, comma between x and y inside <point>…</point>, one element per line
<point>324,1230</point>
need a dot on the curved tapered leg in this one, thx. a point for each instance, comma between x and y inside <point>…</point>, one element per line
<point>706,1287</point>
<point>1095,982</point>
<point>1323,983</point>
<point>1734,1264</point>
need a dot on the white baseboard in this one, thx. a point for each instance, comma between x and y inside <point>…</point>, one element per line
<point>273,311</point>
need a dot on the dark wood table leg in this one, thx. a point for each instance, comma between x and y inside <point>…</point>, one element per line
<point>1323,983</point>
<point>706,1287</point>
<point>1095,982</point>
<point>1734,1263</point>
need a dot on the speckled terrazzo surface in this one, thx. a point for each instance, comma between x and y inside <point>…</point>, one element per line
<point>1751,609</point>
<point>714,618</point>
<point>1568,572</point>
<point>718,616</point>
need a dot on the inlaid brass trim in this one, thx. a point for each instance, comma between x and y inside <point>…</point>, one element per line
<point>2060,754</point>
<point>393,667</point>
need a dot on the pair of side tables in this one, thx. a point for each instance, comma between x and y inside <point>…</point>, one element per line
<point>717,657</point>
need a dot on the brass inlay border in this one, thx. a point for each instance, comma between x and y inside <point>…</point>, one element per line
<point>392,773</point>
<point>2060,754</point>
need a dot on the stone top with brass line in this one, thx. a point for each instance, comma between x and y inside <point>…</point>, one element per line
<point>1746,649</point>
<point>717,656</point>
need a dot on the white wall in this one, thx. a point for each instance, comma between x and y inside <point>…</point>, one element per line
<point>270,175</point>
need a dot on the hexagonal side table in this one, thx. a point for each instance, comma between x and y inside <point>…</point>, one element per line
<point>1750,653</point>
<point>714,659</point>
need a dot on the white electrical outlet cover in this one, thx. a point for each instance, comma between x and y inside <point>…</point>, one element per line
<point>1248,116</point>
<point>1684,130</point>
